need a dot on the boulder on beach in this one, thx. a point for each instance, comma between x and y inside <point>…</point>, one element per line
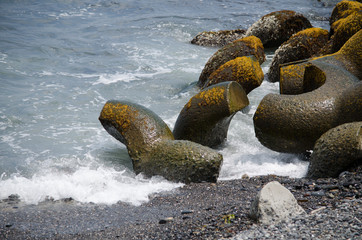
<point>302,45</point>
<point>244,70</point>
<point>277,27</point>
<point>242,47</point>
<point>218,38</point>
<point>152,148</point>
<point>293,123</point>
<point>206,117</point>
<point>274,203</point>
<point>337,150</point>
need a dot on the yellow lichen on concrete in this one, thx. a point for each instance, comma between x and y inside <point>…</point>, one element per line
<point>311,32</point>
<point>212,96</point>
<point>252,42</point>
<point>353,47</point>
<point>123,115</point>
<point>345,8</point>
<point>346,28</point>
<point>244,70</point>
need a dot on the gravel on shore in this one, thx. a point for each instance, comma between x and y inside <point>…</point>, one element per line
<point>195,211</point>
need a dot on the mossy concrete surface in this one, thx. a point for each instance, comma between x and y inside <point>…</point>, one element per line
<point>152,148</point>
<point>344,9</point>
<point>244,70</point>
<point>184,161</point>
<point>345,28</point>
<point>292,123</point>
<point>302,45</point>
<point>134,125</point>
<point>336,151</point>
<point>242,47</point>
<point>206,117</point>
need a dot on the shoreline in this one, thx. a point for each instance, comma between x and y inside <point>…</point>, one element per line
<point>195,211</point>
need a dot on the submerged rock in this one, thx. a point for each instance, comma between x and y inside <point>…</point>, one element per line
<point>337,150</point>
<point>152,148</point>
<point>217,39</point>
<point>243,47</point>
<point>302,45</point>
<point>244,70</point>
<point>277,27</point>
<point>206,117</point>
<point>273,204</point>
<point>293,123</point>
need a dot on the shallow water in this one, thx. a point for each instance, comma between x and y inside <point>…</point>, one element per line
<point>60,61</point>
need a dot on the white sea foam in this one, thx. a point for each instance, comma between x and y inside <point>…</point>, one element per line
<point>102,185</point>
<point>128,77</point>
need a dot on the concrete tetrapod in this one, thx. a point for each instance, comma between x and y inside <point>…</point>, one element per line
<point>206,117</point>
<point>244,70</point>
<point>293,123</point>
<point>145,134</point>
<point>349,57</point>
<point>336,150</point>
<point>242,47</point>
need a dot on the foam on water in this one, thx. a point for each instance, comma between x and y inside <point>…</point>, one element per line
<point>101,184</point>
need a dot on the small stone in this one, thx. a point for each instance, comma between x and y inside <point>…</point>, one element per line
<point>186,211</point>
<point>165,220</point>
<point>320,193</point>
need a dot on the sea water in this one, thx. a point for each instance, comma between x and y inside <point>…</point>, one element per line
<point>60,61</point>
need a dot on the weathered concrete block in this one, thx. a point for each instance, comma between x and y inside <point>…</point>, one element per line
<point>206,117</point>
<point>244,70</point>
<point>242,47</point>
<point>152,148</point>
<point>293,123</point>
<point>337,150</point>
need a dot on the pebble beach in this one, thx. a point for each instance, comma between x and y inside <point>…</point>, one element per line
<point>196,211</point>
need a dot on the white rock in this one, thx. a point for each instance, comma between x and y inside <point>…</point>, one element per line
<point>274,203</point>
